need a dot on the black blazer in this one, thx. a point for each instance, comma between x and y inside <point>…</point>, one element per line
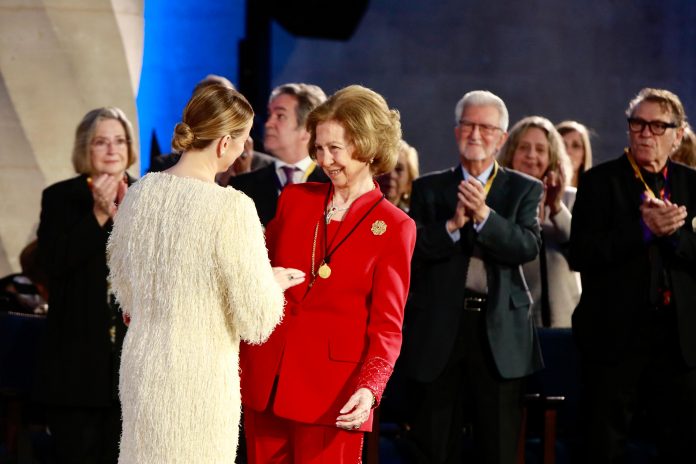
<point>79,365</point>
<point>607,247</point>
<point>263,186</point>
<point>509,238</point>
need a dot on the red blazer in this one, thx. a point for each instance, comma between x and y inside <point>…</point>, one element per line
<point>336,332</point>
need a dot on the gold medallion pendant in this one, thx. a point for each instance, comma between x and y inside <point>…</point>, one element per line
<point>324,271</point>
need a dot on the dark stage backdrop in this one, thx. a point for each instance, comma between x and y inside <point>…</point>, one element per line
<point>571,59</point>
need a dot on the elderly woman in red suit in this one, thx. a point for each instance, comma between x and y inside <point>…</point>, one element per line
<point>309,391</point>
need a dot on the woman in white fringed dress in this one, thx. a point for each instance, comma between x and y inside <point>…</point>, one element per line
<point>189,265</point>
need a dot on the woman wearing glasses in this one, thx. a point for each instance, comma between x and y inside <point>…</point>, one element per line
<point>84,332</point>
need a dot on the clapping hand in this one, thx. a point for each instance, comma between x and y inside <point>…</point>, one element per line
<point>107,192</point>
<point>662,217</point>
<point>473,196</point>
<point>460,217</point>
<point>553,192</point>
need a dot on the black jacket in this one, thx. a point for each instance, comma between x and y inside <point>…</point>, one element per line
<point>79,363</point>
<point>607,248</point>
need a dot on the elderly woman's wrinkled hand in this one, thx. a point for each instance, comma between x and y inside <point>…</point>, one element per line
<point>356,411</point>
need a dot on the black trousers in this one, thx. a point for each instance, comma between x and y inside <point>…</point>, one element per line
<point>653,378</point>
<point>469,391</point>
<point>85,435</point>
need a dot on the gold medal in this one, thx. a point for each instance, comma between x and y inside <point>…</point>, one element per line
<point>324,271</point>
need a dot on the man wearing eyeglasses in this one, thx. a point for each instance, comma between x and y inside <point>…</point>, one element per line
<point>469,340</point>
<point>633,241</point>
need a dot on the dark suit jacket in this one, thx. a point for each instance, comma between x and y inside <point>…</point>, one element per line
<point>509,238</point>
<point>79,365</point>
<point>607,247</point>
<point>263,187</point>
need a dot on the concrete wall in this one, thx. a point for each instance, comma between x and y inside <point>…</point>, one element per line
<point>58,60</point>
<point>571,59</point>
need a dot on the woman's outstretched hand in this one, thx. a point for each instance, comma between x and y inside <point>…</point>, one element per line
<point>288,277</point>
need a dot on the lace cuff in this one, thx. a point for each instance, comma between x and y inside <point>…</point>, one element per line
<point>374,376</point>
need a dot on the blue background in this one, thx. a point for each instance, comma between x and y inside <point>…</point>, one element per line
<point>184,41</point>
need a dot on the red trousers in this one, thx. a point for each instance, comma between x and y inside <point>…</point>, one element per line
<point>274,440</point>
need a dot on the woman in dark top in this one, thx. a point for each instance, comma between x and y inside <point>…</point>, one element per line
<point>78,378</point>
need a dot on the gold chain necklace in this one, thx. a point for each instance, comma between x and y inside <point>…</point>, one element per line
<point>324,270</point>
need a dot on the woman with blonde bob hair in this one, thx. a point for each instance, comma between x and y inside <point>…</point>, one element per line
<point>576,138</point>
<point>535,147</point>
<point>190,269</point>
<point>310,390</point>
<point>374,134</point>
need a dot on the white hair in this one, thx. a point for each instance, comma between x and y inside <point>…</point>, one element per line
<point>482,98</point>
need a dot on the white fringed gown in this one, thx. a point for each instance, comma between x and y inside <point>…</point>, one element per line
<point>189,264</point>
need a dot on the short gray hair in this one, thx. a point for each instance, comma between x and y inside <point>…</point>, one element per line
<point>482,98</point>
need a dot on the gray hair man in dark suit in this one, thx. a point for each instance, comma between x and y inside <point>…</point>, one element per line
<point>469,337</point>
<point>633,239</point>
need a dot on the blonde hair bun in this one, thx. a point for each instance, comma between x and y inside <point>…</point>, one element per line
<point>183,137</point>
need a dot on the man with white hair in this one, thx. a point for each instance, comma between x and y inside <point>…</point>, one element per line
<point>468,338</point>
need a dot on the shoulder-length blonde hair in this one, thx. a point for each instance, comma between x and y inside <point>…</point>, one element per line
<point>371,126</point>
<point>81,158</point>
<point>558,157</point>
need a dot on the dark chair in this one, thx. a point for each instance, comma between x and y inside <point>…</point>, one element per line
<point>550,431</point>
<point>20,336</point>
